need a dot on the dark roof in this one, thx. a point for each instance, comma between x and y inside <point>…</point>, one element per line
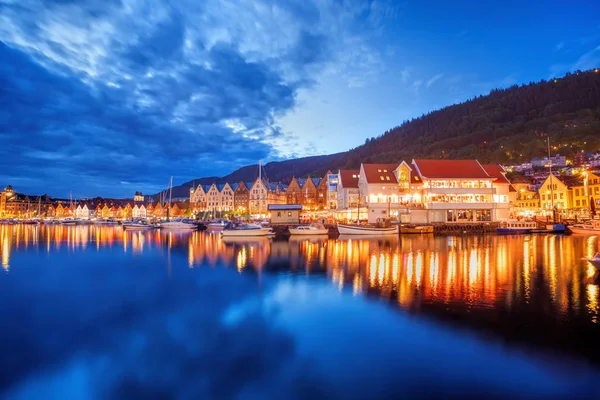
<point>284,207</point>
<point>467,169</point>
<point>347,178</point>
<point>380,173</point>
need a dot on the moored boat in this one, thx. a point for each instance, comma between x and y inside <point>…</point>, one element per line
<point>217,225</point>
<point>595,261</point>
<point>246,230</point>
<point>366,230</point>
<point>517,227</point>
<point>588,228</point>
<point>416,229</point>
<point>312,229</point>
<point>176,224</point>
<point>136,226</point>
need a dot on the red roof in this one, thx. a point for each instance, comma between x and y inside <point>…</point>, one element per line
<point>496,171</point>
<point>439,169</point>
<point>380,173</point>
<point>349,178</point>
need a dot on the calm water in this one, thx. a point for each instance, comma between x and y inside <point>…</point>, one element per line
<point>92,312</point>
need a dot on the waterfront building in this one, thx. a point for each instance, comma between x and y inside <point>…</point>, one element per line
<point>554,192</point>
<point>309,193</point>
<point>226,197</point>
<point>322,193</point>
<point>502,191</point>
<point>213,199</point>
<point>348,196</point>
<point>198,198</point>
<point>294,192</point>
<point>285,213</point>
<point>378,189</point>
<point>586,193</point>
<point>456,191</point>
<point>257,204</point>
<point>138,211</point>
<point>240,197</point>
<point>332,181</point>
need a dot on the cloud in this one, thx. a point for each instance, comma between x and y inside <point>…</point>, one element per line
<point>416,85</point>
<point>559,45</point>
<point>138,91</point>
<point>433,80</point>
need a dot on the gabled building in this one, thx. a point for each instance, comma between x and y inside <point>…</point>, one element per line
<point>213,198</point>
<point>322,202</point>
<point>257,204</point>
<point>240,197</point>
<point>454,191</point>
<point>198,198</point>
<point>309,193</point>
<point>555,194</point>
<point>347,189</point>
<point>226,198</point>
<point>294,192</point>
<point>378,188</point>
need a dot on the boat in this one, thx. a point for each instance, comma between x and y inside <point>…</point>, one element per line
<point>136,226</point>
<point>517,227</point>
<point>246,230</point>
<point>416,229</point>
<point>69,221</point>
<point>217,225</point>
<point>588,228</point>
<point>556,228</point>
<point>595,261</point>
<point>176,224</point>
<point>366,230</point>
<point>312,229</point>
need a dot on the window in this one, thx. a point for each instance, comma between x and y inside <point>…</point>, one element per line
<point>387,178</point>
<point>584,203</point>
<point>576,192</point>
<point>562,196</point>
<point>289,213</point>
<point>279,213</point>
<point>577,203</point>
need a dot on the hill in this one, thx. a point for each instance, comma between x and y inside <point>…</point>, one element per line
<point>507,125</point>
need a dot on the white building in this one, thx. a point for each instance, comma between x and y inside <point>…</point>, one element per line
<point>454,191</point>
<point>226,198</point>
<point>556,161</point>
<point>213,198</point>
<point>347,189</point>
<point>378,189</point>
<point>198,196</point>
<point>332,191</point>
<point>138,211</point>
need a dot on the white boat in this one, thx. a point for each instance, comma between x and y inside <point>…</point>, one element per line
<point>595,261</point>
<point>313,229</point>
<point>217,225</point>
<point>136,226</point>
<point>516,227</point>
<point>176,224</point>
<point>366,230</point>
<point>588,228</point>
<point>247,230</point>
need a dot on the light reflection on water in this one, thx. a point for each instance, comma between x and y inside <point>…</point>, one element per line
<point>529,290</point>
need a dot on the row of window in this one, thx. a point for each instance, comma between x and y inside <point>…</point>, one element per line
<point>595,190</point>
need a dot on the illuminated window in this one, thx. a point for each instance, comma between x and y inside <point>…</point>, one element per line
<point>382,178</point>
<point>385,170</point>
<point>387,178</point>
<point>378,170</point>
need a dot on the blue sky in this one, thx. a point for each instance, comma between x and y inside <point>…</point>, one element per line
<point>109,97</point>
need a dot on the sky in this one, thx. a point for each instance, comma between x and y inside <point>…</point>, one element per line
<point>104,98</point>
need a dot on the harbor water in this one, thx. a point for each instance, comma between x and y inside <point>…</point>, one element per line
<point>90,312</point>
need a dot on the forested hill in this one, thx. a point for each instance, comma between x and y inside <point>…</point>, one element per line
<point>503,126</point>
<point>506,125</point>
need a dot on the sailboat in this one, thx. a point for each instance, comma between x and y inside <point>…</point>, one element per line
<point>368,230</point>
<point>176,224</point>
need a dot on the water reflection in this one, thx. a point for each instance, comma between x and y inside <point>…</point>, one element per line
<point>496,283</point>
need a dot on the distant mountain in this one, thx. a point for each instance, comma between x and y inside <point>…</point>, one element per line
<point>507,125</point>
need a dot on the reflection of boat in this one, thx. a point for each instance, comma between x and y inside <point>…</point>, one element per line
<point>217,225</point>
<point>517,227</point>
<point>313,229</point>
<point>108,221</point>
<point>418,229</point>
<point>311,239</point>
<point>68,221</point>
<point>136,226</point>
<point>246,230</point>
<point>595,261</point>
<point>367,237</point>
<point>366,230</point>
<point>590,228</point>
<point>246,239</point>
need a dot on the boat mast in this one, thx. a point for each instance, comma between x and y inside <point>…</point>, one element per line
<point>170,193</point>
<point>551,185</point>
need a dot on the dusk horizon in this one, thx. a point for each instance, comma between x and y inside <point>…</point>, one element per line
<point>104,100</point>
